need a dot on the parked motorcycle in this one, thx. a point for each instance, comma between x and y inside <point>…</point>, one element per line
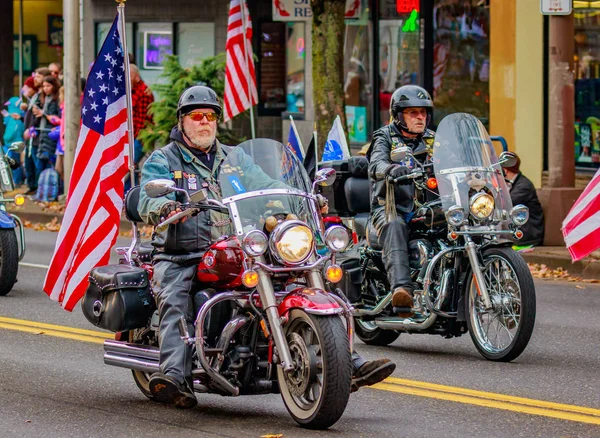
<point>467,276</point>
<point>264,320</point>
<point>12,250</point>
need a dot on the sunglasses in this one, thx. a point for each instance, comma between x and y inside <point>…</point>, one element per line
<point>197,116</point>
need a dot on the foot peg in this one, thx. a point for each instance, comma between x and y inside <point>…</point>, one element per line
<point>184,333</point>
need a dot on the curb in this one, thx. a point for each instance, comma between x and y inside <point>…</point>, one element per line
<point>44,217</point>
<point>582,268</point>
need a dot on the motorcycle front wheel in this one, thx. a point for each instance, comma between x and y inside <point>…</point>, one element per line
<point>502,333</point>
<point>9,259</point>
<point>316,392</point>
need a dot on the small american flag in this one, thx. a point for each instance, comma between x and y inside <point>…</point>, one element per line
<point>95,199</point>
<point>581,227</point>
<point>239,63</point>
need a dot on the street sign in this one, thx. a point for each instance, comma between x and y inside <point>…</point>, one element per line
<point>300,10</point>
<point>556,7</point>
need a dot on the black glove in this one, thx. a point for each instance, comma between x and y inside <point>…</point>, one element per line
<point>396,171</point>
<point>168,208</point>
<point>12,163</point>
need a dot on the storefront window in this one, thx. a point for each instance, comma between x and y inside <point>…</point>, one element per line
<point>103,28</point>
<point>587,87</point>
<point>358,88</point>
<point>461,66</point>
<point>272,70</point>
<point>295,56</point>
<point>154,42</point>
<point>195,41</point>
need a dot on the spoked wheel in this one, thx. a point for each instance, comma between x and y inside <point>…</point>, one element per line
<point>370,334</point>
<point>316,392</point>
<point>142,379</point>
<point>502,333</point>
<point>9,260</point>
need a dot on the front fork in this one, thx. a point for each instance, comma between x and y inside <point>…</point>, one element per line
<point>471,249</point>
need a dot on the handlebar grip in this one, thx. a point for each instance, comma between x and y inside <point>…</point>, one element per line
<point>412,175</point>
<point>185,213</point>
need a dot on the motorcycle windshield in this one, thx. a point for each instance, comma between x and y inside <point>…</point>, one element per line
<point>465,163</point>
<point>262,178</point>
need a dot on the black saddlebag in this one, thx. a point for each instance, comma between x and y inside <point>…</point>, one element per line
<point>118,298</point>
<point>352,280</point>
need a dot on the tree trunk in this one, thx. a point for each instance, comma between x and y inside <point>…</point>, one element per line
<point>328,65</point>
<point>7,89</point>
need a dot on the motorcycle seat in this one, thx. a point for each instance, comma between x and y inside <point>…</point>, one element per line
<point>357,188</point>
<point>144,251</point>
<point>132,198</point>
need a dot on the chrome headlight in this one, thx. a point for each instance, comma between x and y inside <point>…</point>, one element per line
<point>291,242</point>
<point>337,238</point>
<point>455,216</point>
<point>255,243</point>
<point>482,205</point>
<point>519,215</point>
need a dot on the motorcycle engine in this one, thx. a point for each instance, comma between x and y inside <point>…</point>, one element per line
<point>419,251</point>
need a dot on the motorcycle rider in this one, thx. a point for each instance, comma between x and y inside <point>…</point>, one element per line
<point>411,109</point>
<point>193,160</point>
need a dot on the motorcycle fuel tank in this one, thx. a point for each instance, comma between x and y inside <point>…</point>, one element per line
<point>221,266</point>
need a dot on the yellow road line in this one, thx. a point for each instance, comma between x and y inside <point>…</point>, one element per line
<point>59,331</point>
<point>393,384</point>
<point>489,403</point>
<point>494,396</point>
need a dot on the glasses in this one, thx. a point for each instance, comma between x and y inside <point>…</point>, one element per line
<point>416,112</point>
<point>197,116</point>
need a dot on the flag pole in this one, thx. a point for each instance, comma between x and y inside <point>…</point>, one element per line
<point>248,75</point>
<point>129,104</point>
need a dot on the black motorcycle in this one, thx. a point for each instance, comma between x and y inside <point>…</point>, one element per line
<point>467,276</point>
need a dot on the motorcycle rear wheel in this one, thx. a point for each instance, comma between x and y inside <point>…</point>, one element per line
<point>317,391</point>
<point>370,334</point>
<point>502,334</point>
<point>9,260</point>
<point>141,379</point>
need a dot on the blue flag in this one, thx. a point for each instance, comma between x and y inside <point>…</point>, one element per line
<point>294,141</point>
<point>336,147</point>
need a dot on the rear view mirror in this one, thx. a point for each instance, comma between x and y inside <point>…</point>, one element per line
<point>17,146</point>
<point>399,154</point>
<point>325,177</point>
<point>159,187</point>
<point>507,159</point>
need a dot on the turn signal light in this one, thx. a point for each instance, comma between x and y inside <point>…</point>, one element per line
<point>250,278</point>
<point>519,234</point>
<point>432,183</point>
<point>19,199</point>
<point>334,273</point>
<point>453,235</point>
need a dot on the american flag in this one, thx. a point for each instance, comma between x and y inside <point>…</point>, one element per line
<point>95,199</point>
<point>581,227</point>
<point>239,64</point>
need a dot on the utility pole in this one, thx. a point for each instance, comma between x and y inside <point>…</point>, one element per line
<point>72,83</point>
<point>561,102</point>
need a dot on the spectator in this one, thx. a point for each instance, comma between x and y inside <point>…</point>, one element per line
<point>50,115</point>
<point>522,191</point>
<point>30,135</point>
<point>59,132</point>
<point>13,132</point>
<point>56,70</point>
<point>141,98</point>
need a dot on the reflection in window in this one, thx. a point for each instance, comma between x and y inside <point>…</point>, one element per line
<point>154,42</point>
<point>399,57</point>
<point>195,42</point>
<point>295,55</point>
<point>272,68</point>
<point>358,91</point>
<point>461,66</point>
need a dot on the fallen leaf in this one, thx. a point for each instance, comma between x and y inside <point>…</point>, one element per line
<point>579,286</point>
<point>27,421</point>
<point>39,333</point>
<point>278,435</point>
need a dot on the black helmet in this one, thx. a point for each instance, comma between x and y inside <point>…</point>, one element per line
<point>198,96</point>
<point>409,96</point>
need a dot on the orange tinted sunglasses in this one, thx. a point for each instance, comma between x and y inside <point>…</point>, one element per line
<point>197,116</point>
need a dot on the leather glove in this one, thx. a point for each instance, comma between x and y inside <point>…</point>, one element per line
<point>396,171</point>
<point>12,163</point>
<point>168,208</point>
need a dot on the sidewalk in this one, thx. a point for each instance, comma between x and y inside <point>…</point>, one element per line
<point>551,256</point>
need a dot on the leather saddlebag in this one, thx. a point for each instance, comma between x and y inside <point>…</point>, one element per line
<point>118,298</point>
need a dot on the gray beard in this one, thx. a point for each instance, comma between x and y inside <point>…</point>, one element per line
<point>203,144</point>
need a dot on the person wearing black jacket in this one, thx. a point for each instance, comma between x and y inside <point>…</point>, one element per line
<point>522,191</point>
<point>411,109</point>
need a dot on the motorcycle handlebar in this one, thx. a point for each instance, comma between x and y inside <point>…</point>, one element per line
<point>190,211</point>
<point>412,175</point>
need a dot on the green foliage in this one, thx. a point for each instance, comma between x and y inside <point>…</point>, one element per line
<point>173,81</point>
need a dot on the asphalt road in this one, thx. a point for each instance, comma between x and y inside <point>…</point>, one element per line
<point>58,387</point>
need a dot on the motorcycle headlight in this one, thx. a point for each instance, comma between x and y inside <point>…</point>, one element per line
<point>455,216</point>
<point>482,205</point>
<point>292,242</point>
<point>255,243</point>
<point>519,215</point>
<point>337,238</point>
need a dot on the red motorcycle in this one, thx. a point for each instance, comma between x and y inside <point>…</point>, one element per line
<point>264,320</point>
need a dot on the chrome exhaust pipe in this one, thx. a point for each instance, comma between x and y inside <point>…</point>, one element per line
<point>132,356</point>
<point>406,324</point>
<point>376,310</point>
